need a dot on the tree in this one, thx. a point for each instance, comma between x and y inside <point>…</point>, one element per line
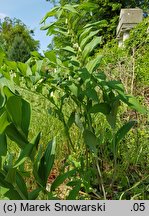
<point>14,36</point>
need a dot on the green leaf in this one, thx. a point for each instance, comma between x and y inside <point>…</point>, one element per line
<point>101,107</point>
<point>21,186</point>
<point>51,13</point>
<point>116,85</point>
<point>78,121</point>
<point>2,99</point>
<point>101,23</point>
<point>74,89</point>
<point>3,145</point>
<point>47,161</point>
<point>69,49</point>
<point>51,55</point>
<point>70,8</point>
<point>111,117</point>
<point>13,195</point>
<point>19,111</point>
<point>134,104</point>
<point>94,64</point>
<point>11,176</point>
<point>75,191</point>
<point>71,120</point>
<point>3,182</point>
<point>90,47</point>
<point>3,122</point>
<point>16,136</point>
<point>61,178</point>
<point>84,34</point>
<point>87,38</point>
<point>34,194</point>
<point>90,140</point>
<point>123,131</point>
<point>25,153</point>
<point>26,115</point>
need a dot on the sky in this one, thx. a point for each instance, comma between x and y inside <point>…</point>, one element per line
<point>30,12</point>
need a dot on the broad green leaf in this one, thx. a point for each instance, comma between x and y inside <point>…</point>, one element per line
<point>123,131</point>
<point>70,8</point>
<point>51,13</point>
<point>19,112</point>
<point>93,64</point>
<point>88,6</point>
<point>61,178</point>
<point>78,121</point>
<point>87,38</point>
<point>8,92</point>
<point>16,136</point>
<point>14,108</point>
<point>3,182</point>
<point>90,140</point>
<point>51,55</point>
<point>12,194</point>
<point>101,107</point>
<point>34,194</point>
<point>11,176</point>
<point>3,145</point>
<point>2,99</point>
<point>21,186</point>
<point>112,116</point>
<point>116,85</point>
<point>36,166</point>
<point>69,49</point>
<point>90,47</point>
<point>47,161</point>
<point>74,192</point>
<point>134,104</point>
<point>84,34</point>
<point>35,142</point>
<point>71,120</point>
<point>26,115</point>
<point>74,89</point>
<point>3,122</point>
<point>25,153</point>
<point>101,23</point>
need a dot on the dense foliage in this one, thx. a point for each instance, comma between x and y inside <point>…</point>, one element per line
<point>16,40</point>
<point>103,150</point>
<point>92,11</point>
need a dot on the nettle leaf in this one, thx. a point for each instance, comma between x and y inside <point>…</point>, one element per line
<point>90,47</point>
<point>123,131</point>
<point>90,140</point>
<point>101,107</point>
